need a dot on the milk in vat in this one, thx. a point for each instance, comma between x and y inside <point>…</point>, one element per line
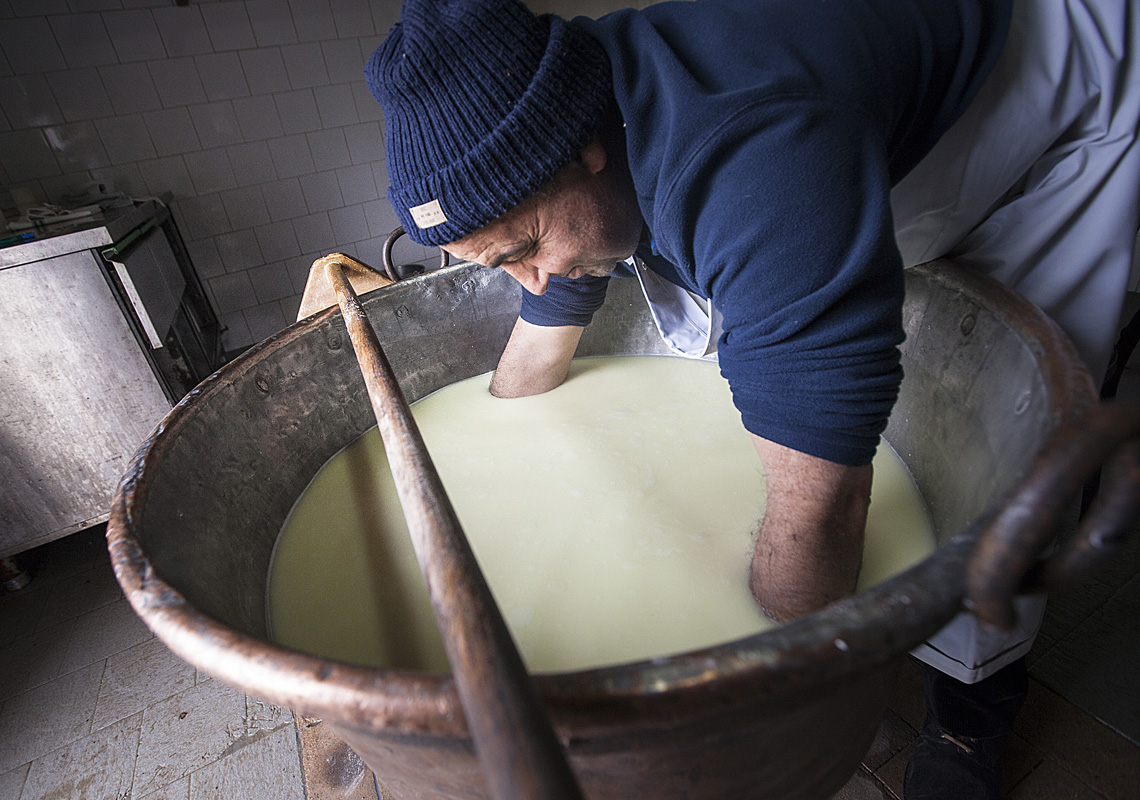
<point>613,517</point>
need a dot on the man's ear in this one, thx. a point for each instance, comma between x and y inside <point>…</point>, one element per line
<point>594,154</point>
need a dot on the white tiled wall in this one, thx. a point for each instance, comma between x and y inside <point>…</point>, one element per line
<point>254,114</point>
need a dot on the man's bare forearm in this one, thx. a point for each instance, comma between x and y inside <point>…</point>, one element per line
<point>536,359</point>
<point>810,544</point>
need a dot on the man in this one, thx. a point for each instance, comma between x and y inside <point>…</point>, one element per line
<point>755,158</point>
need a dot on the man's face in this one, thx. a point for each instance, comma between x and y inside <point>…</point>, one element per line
<point>583,223</point>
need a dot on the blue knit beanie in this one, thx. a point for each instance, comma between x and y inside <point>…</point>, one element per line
<point>484,103</point>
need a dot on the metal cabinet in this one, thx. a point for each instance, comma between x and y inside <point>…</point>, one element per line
<point>93,352</point>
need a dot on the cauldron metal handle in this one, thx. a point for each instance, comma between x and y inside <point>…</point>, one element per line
<point>1007,558</point>
<point>444,258</point>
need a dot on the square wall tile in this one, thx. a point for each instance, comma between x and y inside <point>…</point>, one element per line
<point>27,101</point>
<point>365,142</point>
<point>265,320</point>
<point>329,149</point>
<point>232,292</point>
<point>245,207</point>
<point>284,199</point>
<point>95,5</point>
<point>239,250</point>
<point>182,30</point>
<point>80,94</point>
<point>270,282</point>
<point>216,124</point>
<point>228,26</point>
<point>291,156</point>
<point>210,170</point>
<point>167,174</point>
<point>258,117</point>
<point>125,138</point>
<point>313,20</point>
<point>272,22</point>
<point>172,131</point>
<point>342,60</point>
<point>322,191</point>
<point>356,184</point>
<point>336,105</point>
<point>57,186</point>
<point>298,111</point>
<point>353,18</point>
<point>278,241</point>
<point>202,216</point>
<point>305,65</point>
<point>26,156</point>
<point>130,88</point>
<point>264,70</point>
<point>35,8</point>
<point>83,40</point>
<point>382,220</point>
<point>30,46</point>
<point>252,163</point>
<point>77,146</point>
<point>371,252</point>
<point>204,256</point>
<point>134,34</point>
<point>348,224</point>
<point>222,75</point>
<point>314,233</point>
<point>177,81</point>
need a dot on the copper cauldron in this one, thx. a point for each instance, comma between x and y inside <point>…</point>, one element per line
<point>783,714</point>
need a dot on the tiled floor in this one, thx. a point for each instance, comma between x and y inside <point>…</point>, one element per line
<point>92,706</point>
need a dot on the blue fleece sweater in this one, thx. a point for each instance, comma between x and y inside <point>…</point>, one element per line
<point>763,138</point>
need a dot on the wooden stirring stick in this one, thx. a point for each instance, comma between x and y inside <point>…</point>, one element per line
<point>517,749</point>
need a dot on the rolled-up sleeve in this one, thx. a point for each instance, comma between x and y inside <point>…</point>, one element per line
<point>565,302</point>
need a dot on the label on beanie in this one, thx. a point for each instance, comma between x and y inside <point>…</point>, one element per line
<point>428,215</point>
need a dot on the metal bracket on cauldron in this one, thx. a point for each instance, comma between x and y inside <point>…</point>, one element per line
<point>414,269</point>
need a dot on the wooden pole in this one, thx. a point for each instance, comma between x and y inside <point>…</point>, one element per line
<point>516,745</point>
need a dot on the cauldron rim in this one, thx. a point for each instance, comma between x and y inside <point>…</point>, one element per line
<point>869,629</point>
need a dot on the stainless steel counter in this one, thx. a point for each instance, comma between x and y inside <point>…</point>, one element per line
<point>89,233</point>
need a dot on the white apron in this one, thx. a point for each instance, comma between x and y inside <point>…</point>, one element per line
<point>1038,186</point>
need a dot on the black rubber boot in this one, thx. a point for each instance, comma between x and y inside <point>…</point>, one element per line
<point>959,752</point>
